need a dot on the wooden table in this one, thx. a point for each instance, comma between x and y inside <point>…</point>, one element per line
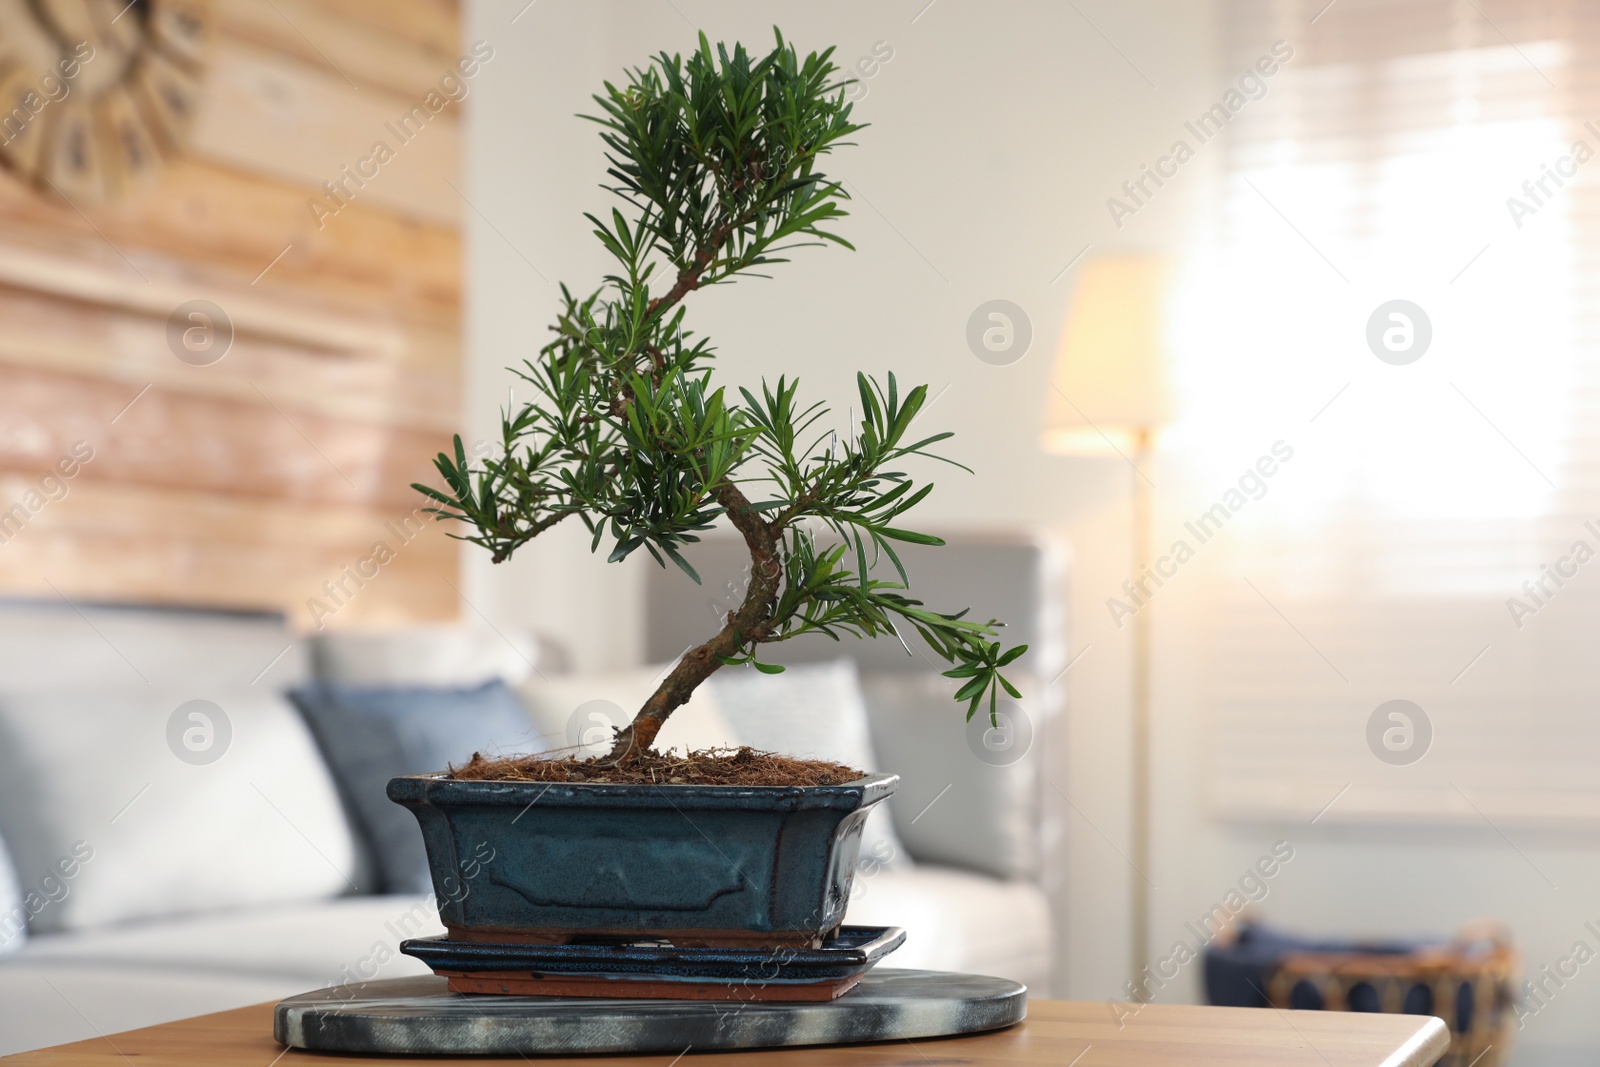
<point>1057,1032</point>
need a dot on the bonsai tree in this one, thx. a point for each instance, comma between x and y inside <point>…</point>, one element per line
<point>716,161</point>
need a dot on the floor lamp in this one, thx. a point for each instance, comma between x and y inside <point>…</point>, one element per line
<point>1108,397</point>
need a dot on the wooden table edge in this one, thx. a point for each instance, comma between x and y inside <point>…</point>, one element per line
<point>1426,1046</point>
<point>241,1037</point>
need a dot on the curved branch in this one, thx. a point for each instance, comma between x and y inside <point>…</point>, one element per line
<point>750,622</point>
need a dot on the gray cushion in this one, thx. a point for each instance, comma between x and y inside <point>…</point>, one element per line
<point>40,1003</point>
<point>42,644</point>
<point>1016,578</point>
<point>959,921</point>
<point>814,711</point>
<point>135,802</point>
<point>318,944</point>
<point>958,802</point>
<point>369,734</point>
<point>141,974</point>
<point>576,713</point>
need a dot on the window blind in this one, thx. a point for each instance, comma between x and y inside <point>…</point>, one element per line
<point>1436,537</point>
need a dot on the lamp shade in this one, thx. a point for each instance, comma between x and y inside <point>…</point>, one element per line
<point>1109,388</point>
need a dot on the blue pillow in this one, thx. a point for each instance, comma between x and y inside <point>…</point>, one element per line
<point>369,734</point>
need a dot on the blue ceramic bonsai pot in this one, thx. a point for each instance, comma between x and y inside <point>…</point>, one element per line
<point>542,862</point>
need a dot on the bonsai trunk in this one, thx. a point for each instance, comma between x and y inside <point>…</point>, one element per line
<point>749,623</point>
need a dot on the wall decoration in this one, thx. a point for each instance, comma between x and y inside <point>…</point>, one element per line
<point>94,94</point>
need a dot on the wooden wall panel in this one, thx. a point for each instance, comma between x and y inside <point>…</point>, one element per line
<point>102,274</point>
<point>320,35</point>
<point>401,389</point>
<point>255,480</point>
<point>276,115</point>
<point>246,447</point>
<point>212,215</point>
<point>236,553</point>
<point>432,23</point>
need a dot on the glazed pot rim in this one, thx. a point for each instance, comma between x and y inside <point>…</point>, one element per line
<point>425,788</point>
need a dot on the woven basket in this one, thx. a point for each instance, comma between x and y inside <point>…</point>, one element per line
<point>1469,983</point>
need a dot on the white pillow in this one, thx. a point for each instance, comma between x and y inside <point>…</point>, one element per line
<point>168,834</point>
<point>443,655</point>
<point>813,711</point>
<point>956,808</point>
<point>576,712</point>
<point>13,912</point>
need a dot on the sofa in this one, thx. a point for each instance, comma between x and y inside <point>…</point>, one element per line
<point>173,842</point>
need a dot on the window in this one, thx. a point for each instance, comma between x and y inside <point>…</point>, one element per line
<point>1429,540</point>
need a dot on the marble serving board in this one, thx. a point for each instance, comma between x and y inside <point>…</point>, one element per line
<point>420,1016</point>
